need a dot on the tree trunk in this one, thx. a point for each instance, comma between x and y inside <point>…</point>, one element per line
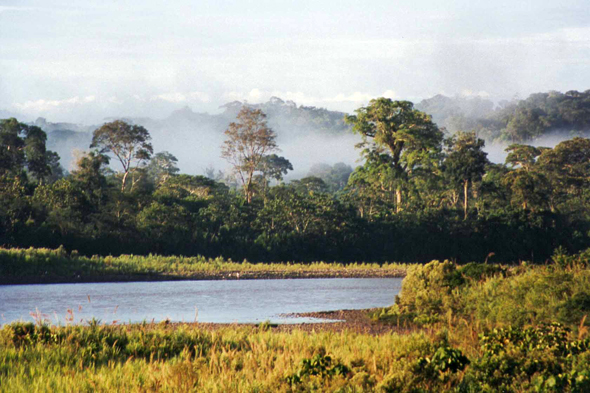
<point>465,196</point>
<point>248,188</point>
<point>124,180</point>
<point>398,198</point>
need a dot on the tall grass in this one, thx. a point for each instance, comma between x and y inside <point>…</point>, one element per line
<point>47,265</point>
<point>186,358</point>
<point>248,359</point>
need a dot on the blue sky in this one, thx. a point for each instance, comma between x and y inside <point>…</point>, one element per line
<point>86,60</point>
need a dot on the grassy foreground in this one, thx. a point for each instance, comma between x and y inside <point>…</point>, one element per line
<point>41,265</point>
<point>475,328</point>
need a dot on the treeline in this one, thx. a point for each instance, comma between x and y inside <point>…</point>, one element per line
<point>517,121</point>
<point>419,195</point>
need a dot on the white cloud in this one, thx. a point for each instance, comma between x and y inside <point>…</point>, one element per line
<point>354,97</point>
<point>48,105</point>
<point>255,95</point>
<point>178,97</point>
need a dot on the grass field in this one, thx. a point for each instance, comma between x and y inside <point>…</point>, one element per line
<point>38,265</point>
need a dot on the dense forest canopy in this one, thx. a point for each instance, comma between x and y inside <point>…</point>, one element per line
<point>541,119</point>
<point>421,192</point>
<point>517,121</point>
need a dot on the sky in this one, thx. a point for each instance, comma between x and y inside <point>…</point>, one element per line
<point>83,61</point>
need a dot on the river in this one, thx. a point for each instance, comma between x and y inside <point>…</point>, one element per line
<point>235,301</point>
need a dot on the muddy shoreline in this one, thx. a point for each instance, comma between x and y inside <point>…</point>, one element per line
<point>357,321</point>
<point>221,275</point>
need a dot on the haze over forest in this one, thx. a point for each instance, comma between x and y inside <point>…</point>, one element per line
<point>431,82</point>
<point>165,66</point>
<point>309,136</point>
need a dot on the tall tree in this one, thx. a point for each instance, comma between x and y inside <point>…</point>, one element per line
<point>465,162</point>
<point>128,143</point>
<point>249,140</point>
<point>272,167</point>
<point>399,131</point>
<point>89,176</point>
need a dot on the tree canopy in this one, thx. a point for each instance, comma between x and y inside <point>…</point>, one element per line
<point>128,143</point>
<point>248,141</point>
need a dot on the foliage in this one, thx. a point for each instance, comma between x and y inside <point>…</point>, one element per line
<point>410,199</point>
<point>249,140</point>
<point>517,296</point>
<point>128,143</point>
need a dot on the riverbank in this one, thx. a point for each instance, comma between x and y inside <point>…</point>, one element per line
<point>453,328</point>
<point>356,321</point>
<point>242,274</point>
<point>47,266</point>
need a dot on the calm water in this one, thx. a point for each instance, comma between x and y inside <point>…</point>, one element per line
<point>243,301</point>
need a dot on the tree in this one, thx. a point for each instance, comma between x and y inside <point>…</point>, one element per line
<point>465,162</point>
<point>128,143</point>
<point>529,187</point>
<point>310,184</point>
<point>162,166</point>
<point>38,159</point>
<point>336,177</point>
<point>12,155</point>
<point>249,140</point>
<point>57,171</point>
<point>24,147</point>
<point>397,130</point>
<point>523,156</point>
<point>274,167</point>
<point>89,176</point>
<point>567,167</point>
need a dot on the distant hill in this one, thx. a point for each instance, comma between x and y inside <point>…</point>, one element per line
<point>309,135</point>
<point>524,121</point>
<point>306,135</point>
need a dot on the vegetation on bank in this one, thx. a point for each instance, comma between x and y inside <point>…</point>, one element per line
<point>39,265</point>
<point>419,193</point>
<point>493,295</point>
<point>476,328</point>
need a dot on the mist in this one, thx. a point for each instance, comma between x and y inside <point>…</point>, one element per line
<point>304,135</point>
<point>196,140</point>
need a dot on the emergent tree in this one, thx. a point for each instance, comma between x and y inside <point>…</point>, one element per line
<point>128,143</point>
<point>249,140</point>
<point>402,137</point>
